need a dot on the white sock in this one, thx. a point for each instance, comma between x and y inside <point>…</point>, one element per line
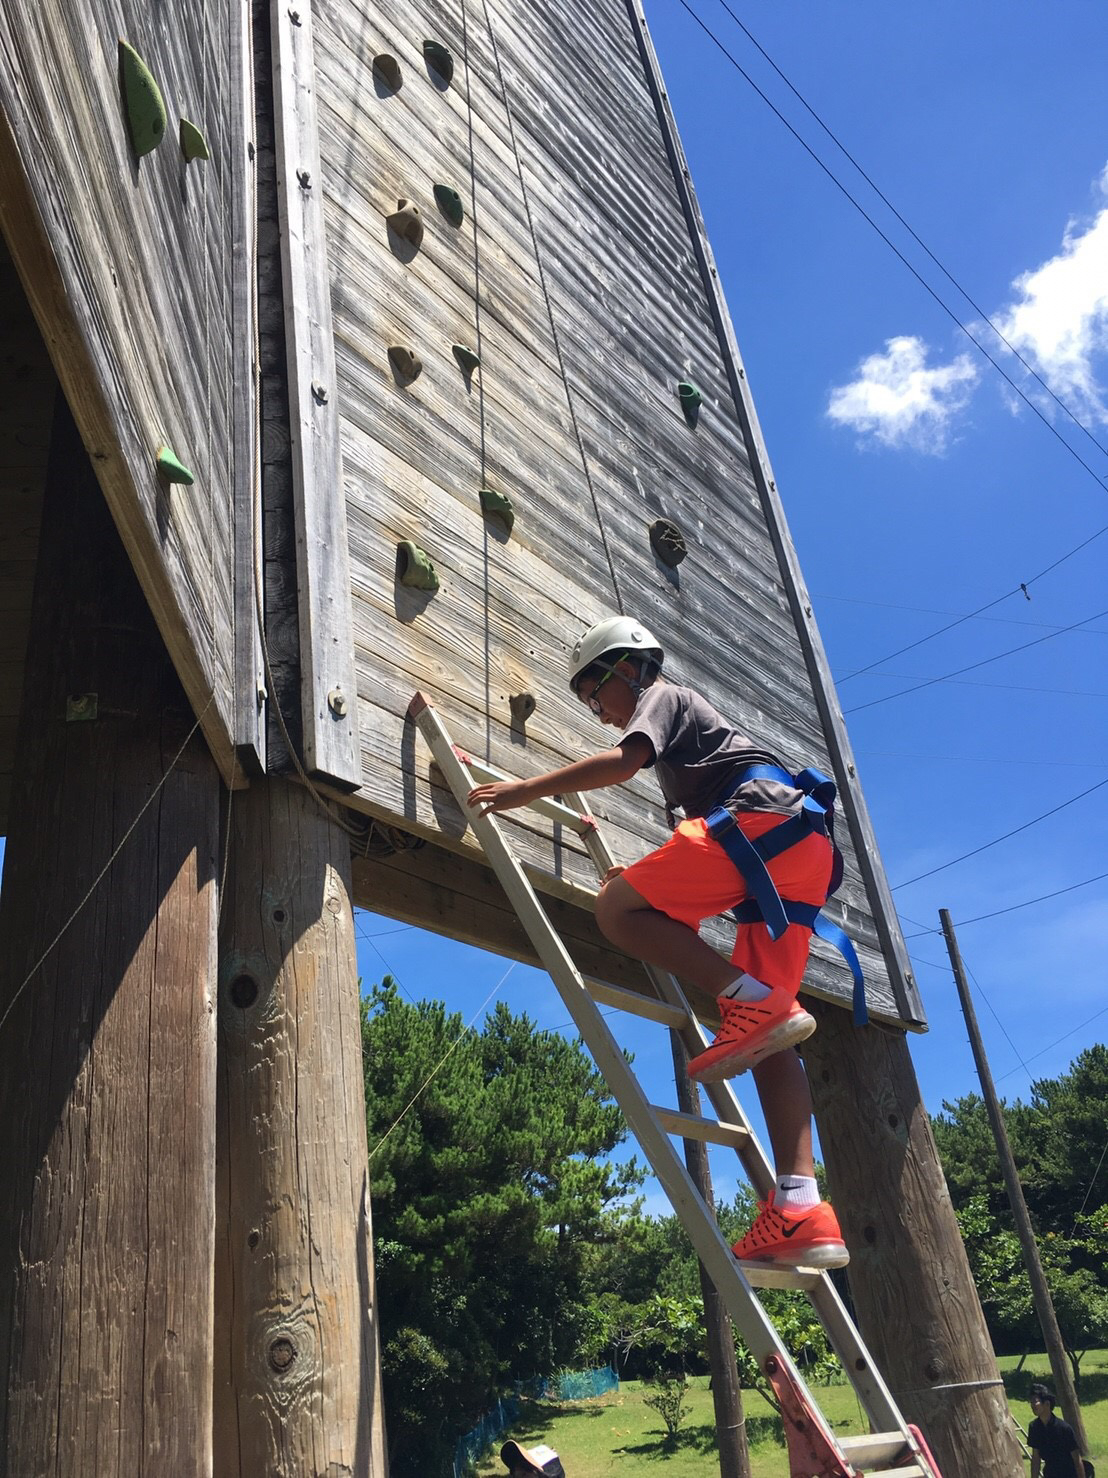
<point>794,1192</point>
<point>746,988</point>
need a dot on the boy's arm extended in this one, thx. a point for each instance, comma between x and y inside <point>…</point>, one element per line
<point>611,767</point>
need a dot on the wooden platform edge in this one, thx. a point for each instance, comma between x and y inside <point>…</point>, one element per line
<point>39,271</point>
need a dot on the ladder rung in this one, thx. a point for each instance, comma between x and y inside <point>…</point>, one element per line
<point>629,1000</point>
<point>692,1126</point>
<point>914,1471</point>
<point>544,806</point>
<point>874,1448</point>
<point>770,1275</point>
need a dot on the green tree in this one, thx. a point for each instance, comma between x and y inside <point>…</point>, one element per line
<point>490,1175</point>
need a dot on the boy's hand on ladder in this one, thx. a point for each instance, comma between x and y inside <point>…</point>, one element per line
<point>498,795</point>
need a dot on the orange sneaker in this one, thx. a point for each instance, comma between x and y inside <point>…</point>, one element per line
<point>749,1031</point>
<point>808,1238</point>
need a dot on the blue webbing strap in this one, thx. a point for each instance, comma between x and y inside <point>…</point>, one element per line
<point>750,857</point>
<point>752,869</point>
<point>809,915</point>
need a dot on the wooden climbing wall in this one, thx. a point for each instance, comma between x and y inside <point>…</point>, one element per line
<point>137,272</point>
<point>574,274</point>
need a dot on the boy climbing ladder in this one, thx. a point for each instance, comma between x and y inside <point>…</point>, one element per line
<point>754,838</point>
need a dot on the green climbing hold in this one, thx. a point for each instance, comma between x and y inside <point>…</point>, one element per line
<point>142,101</point>
<point>499,506</point>
<point>406,362</point>
<point>193,143</point>
<point>439,59</point>
<point>414,568</point>
<point>450,203</point>
<point>468,359</point>
<point>387,68</point>
<point>691,399</point>
<point>172,468</point>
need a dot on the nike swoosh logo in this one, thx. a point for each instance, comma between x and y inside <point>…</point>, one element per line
<point>789,1231</point>
<point>796,1187</point>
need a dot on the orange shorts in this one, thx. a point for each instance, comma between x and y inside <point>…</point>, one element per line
<point>692,878</point>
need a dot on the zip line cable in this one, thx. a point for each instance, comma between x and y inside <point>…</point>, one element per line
<point>886,605</point>
<point>465,1031</point>
<point>972,667</point>
<point>996,840</point>
<point>996,1018</point>
<point>1098,477</point>
<point>1061,404</point>
<point>1058,1041</point>
<point>1015,907</point>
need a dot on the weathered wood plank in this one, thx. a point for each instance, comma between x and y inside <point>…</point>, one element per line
<point>127,266</point>
<point>575,255</point>
<point>328,681</point>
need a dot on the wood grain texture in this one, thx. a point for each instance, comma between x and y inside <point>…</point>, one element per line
<point>576,272</point>
<point>107,1088</point>
<point>298,1378</point>
<point>328,681</point>
<point>129,267</point>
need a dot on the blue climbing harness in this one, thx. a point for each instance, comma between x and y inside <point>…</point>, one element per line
<point>817,814</point>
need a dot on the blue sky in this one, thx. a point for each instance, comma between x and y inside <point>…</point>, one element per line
<point>918,486</point>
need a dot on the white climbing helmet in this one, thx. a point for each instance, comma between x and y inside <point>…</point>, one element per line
<point>616,634</point>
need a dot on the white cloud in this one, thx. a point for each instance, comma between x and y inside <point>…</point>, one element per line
<point>900,401</point>
<point>1059,318</point>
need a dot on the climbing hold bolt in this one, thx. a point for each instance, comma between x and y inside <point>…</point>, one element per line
<point>193,143</point>
<point>690,398</point>
<point>142,101</point>
<point>405,362</point>
<point>336,701</point>
<point>439,60</point>
<point>387,68</point>
<point>407,222</point>
<point>413,567</point>
<point>498,506</point>
<point>450,203</point>
<point>522,706</point>
<point>172,468</point>
<point>468,359</point>
<point>668,542</point>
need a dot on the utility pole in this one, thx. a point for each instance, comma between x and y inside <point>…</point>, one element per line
<point>1040,1293</point>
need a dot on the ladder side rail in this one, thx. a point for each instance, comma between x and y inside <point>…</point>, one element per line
<point>744,1308</point>
<point>842,1334</point>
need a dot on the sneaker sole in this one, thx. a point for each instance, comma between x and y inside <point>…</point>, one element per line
<point>786,1034</point>
<point>821,1256</point>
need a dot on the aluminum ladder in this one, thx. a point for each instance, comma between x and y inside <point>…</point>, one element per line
<point>893,1446</point>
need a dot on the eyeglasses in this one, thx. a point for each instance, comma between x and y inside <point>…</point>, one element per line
<point>592,700</point>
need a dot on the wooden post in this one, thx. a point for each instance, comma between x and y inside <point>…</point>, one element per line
<point>914,1297</point>
<point>107,1059</point>
<point>298,1374</point>
<point>1040,1293</point>
<point>727,1396</point>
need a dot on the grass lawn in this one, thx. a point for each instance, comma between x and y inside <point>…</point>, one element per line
<point>618,1433</point>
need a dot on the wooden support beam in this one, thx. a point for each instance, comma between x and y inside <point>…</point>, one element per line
<point>107,1058</point>
<point>298,1371</point>
<point>914,1297</point>
<point>453,895</point>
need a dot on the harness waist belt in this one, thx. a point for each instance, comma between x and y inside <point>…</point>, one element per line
<point>816,815</point>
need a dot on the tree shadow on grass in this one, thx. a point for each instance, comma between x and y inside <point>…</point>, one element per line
<point>700,1439</point>
<point>1093,1384</point>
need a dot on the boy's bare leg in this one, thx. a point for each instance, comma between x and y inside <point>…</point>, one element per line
<point>625,917</point>
<point>786,1101</point>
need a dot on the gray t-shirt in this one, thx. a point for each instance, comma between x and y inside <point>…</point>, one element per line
<point>697,753</point>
